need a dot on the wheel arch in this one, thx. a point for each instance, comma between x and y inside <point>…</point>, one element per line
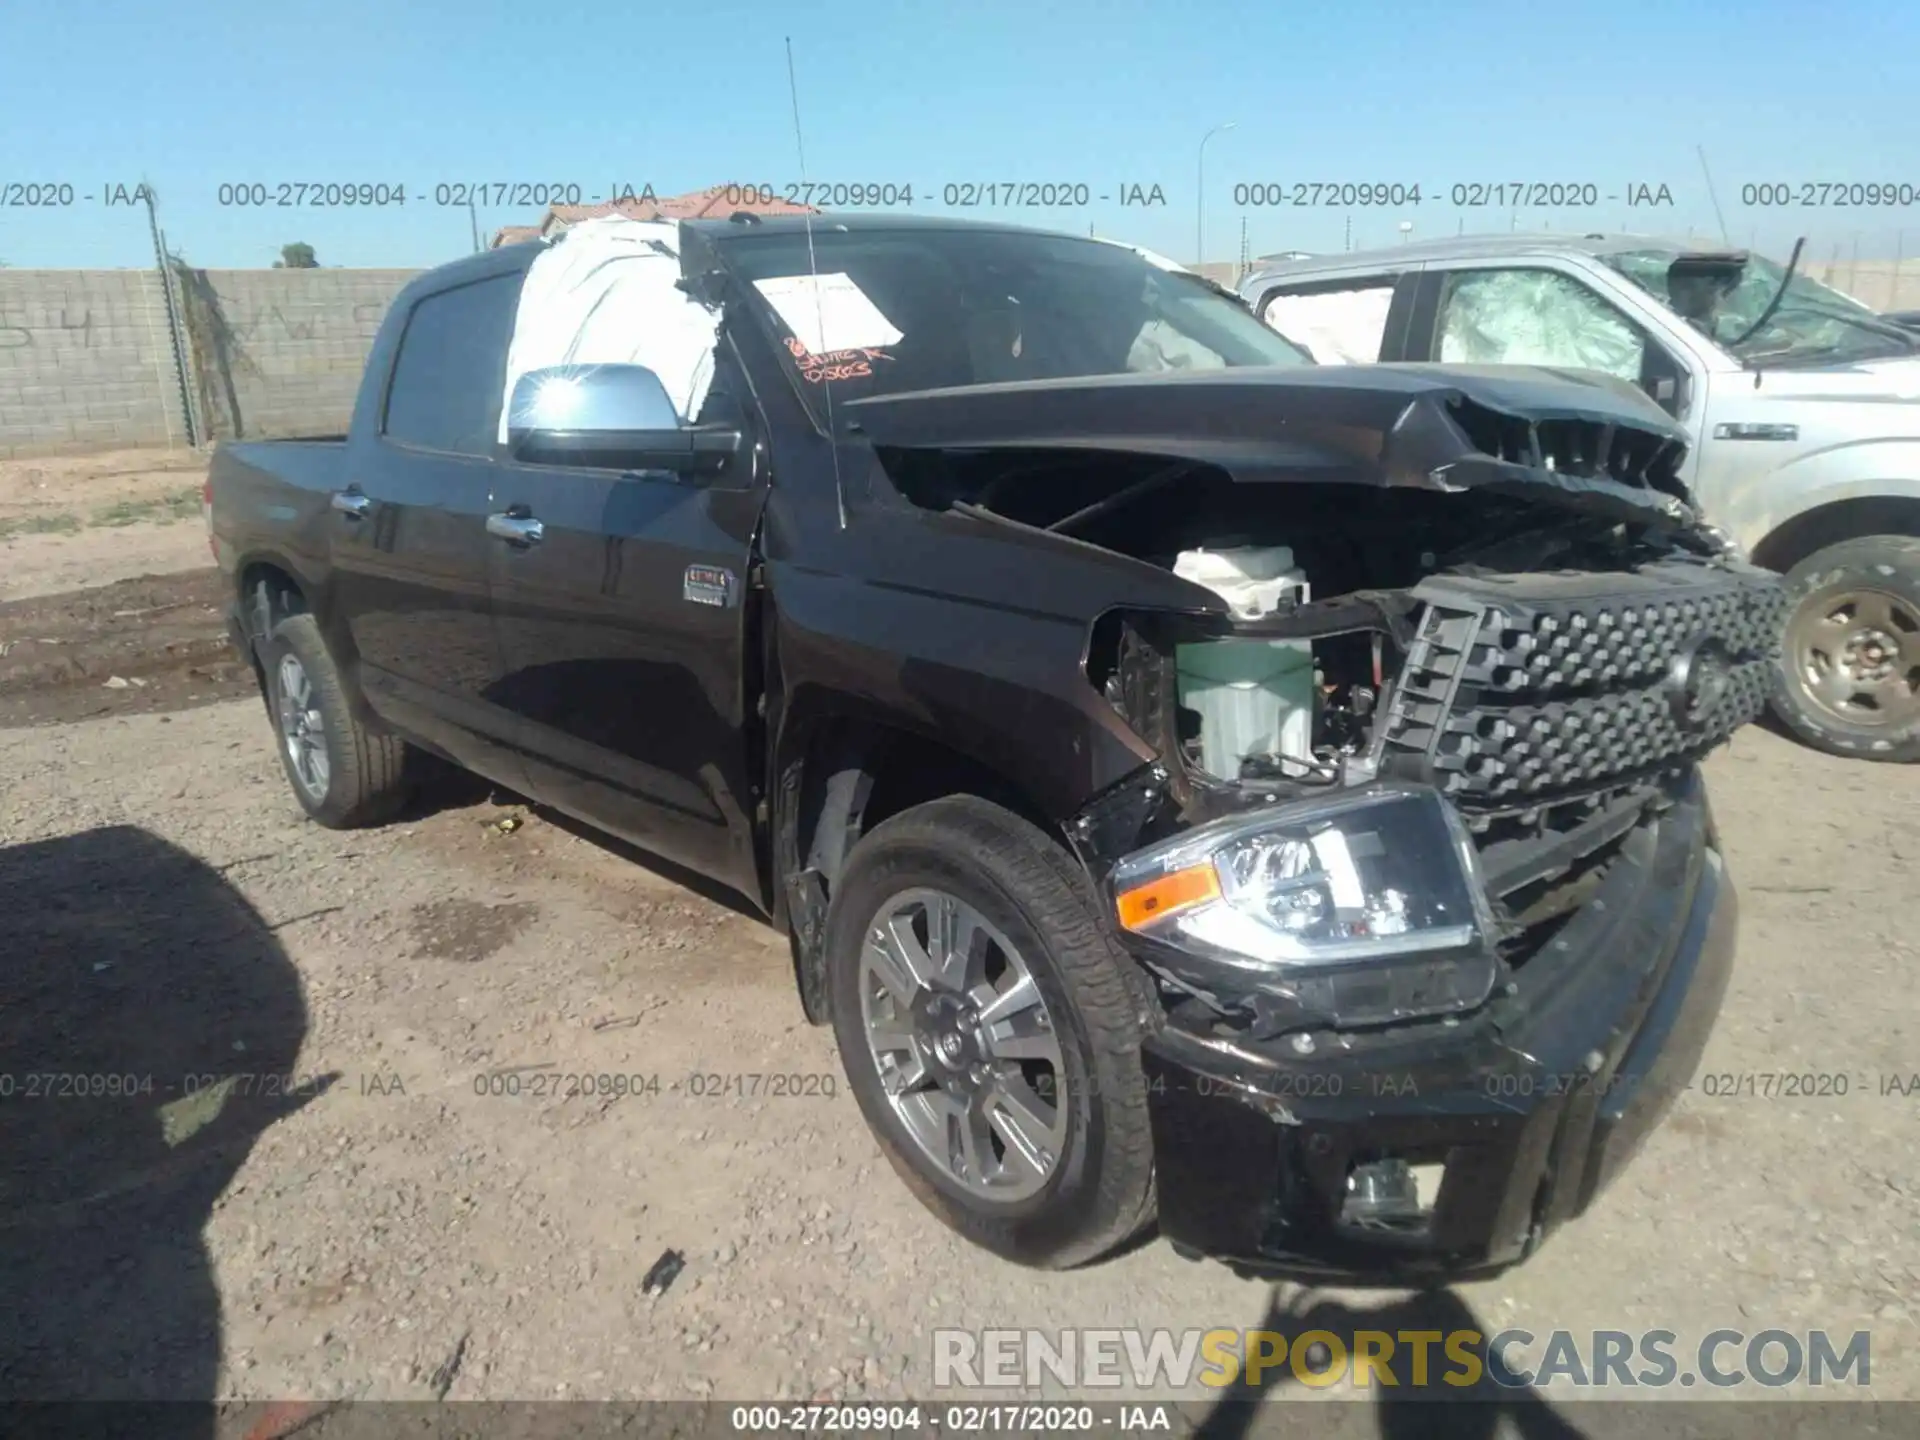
<point>840,772</point>
<point>1833,521</point>
<point>289,589</point>
<point>266,590</point>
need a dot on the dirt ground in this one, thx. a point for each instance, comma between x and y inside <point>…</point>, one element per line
<point>154,643</point>
<point>360,1167</point>
<point>82,484</point>
<point>54,563</point>
<point>73,521</point>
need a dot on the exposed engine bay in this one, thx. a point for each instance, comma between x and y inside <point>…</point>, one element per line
<point>1374,562</point>
<point>1549,670</point>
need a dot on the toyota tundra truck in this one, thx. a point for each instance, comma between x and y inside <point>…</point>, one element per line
<point>1196,785</point>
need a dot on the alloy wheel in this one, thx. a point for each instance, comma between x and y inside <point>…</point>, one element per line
<point>303,729</point>
<point>965,1045</point>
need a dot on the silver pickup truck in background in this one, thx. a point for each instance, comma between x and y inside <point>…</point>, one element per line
<point>1801,405</point>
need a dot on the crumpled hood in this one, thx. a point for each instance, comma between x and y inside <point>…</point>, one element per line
<point>1587,437</point>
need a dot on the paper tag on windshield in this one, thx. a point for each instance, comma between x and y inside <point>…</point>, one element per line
<point>828,313</point>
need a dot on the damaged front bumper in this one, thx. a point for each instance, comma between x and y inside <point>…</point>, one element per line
<point>1523,1111</point>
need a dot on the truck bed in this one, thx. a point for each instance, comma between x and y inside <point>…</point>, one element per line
<point>273,490</point>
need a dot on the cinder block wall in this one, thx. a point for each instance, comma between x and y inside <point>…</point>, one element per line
<point>299,339</point>
<point>85,361</point>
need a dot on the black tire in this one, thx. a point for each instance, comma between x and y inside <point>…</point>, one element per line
<point>1883,568</point>
<point>367,776</point>
<point>1100,1192</point>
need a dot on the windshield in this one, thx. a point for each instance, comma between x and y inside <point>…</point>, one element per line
<point>923,309</point>
<point>1812,324</point>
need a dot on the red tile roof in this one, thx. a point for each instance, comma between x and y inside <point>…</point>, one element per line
<point>714,201</point>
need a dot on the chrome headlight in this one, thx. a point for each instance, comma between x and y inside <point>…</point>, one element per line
<point>1356,909</point>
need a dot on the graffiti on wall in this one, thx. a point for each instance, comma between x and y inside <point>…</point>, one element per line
<point>263,354</point>
<point>272,324</point>
<point>74,327</point>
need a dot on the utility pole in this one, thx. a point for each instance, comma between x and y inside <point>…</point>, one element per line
<point>1200,200</point>
<point>173,314</point>
<point>1720,219</point>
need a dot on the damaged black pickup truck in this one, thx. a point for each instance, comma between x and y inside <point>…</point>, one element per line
<point>1196,784</point>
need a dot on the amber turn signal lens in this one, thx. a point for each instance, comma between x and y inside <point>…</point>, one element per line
<point>1167,895</point>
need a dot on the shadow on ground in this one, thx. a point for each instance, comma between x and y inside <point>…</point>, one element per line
<point>150,1027</point>
<point>1403,1410</point>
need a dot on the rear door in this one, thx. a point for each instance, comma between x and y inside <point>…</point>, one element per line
<point>1353,319</point>
<point>624,632</point>
<point>410,549</point>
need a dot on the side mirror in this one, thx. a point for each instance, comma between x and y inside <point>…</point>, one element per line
<point>1665,381</point>
<point>611,416</point>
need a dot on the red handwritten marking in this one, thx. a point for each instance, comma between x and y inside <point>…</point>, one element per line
<point>816,374</point>
<point>834,364</point>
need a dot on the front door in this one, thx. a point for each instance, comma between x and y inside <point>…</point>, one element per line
<point>624,633</point>
<point>1533,315</point>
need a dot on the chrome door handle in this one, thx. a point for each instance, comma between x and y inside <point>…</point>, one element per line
<point>351,503</point>
<point>520,529</point>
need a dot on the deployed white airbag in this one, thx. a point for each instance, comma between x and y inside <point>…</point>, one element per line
<point>1536,317</point>
<point>1339,327</point>
<point>604,293</point>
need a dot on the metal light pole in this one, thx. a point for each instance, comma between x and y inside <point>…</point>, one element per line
<point>1200,202</point>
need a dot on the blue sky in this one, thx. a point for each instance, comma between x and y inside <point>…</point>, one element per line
<point>199,93</point>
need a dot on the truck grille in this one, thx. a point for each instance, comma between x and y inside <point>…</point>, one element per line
<point>1522,691</point>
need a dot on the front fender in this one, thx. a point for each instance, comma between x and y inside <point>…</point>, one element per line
<point>1017,705</point>
<point>1858,470</point>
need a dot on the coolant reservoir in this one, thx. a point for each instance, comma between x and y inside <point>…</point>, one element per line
<point>1254,697</point>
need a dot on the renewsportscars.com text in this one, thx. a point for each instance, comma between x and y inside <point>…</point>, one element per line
<point>1160,1360</point>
